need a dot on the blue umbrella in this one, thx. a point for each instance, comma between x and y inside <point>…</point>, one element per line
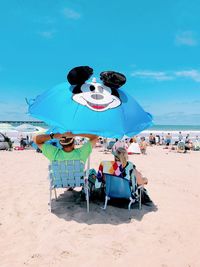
<point>90,107</point>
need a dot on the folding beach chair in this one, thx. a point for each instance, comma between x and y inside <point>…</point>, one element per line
<point>117,187</point>
<point>68,174</point>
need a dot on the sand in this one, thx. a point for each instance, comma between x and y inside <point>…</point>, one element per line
<point>166,234</point>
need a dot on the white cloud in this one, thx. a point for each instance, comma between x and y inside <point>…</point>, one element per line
<point>192,74</point>
<point>187,38</point>
<point>155,75</point>
<point>71,14</point>
<point>47,34</point>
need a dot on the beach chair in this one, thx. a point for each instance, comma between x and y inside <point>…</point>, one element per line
<point>68,174</point>
<point>117,187</point>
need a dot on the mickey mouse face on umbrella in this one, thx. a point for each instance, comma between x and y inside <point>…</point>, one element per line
<point>96,96</point>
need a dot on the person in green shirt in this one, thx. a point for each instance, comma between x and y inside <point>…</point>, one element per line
<point>68,151</point>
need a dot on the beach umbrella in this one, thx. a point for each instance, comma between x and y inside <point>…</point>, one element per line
<point>6,127</point>
<point>27,128</point>
<point>91,107</point>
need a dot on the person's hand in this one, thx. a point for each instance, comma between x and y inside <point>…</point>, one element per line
<point>145,180</point>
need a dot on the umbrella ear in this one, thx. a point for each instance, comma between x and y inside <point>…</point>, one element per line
<point>112,79</point>
<point>79,75</point>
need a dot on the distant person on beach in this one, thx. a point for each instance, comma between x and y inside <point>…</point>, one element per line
<point>157,139</point>
<point>143,145</point>
<point>196,145</point>
<point>189,145</point>
<point>118,143</point>
<point>187,139</point>
<point>168,139</point>
<point>68,150</point>
<point>180,137</point>
<point>22,142</point>
<point>152,140</point>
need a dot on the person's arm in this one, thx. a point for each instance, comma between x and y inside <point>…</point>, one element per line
<point>39,140</point>
<point>93,138</point>
<point>139,179</point>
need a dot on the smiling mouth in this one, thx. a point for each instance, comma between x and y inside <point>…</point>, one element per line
<point>97,106</point>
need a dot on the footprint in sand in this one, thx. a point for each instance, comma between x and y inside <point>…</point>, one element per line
<point>66,254</point>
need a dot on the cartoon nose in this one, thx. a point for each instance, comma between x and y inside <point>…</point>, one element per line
<point>97,96</point>
<point>100,89</point>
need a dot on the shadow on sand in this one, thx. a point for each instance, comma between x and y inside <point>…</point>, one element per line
<point>70,206</point>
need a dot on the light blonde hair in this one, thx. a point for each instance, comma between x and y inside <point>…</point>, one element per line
<point>122,155</point>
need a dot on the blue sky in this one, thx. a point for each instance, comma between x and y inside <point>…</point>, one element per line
<point>156,44</point>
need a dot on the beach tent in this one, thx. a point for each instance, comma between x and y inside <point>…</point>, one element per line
<point>134,149</point>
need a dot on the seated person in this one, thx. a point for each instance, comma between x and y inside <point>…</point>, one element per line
<point>123,168</point>
<point>67,150</point>
<point>189,145</point>
<point>196,145</point>
<point>181,147</point>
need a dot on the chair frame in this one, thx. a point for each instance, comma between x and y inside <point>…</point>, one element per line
<point>109,196</point>
<point>65,179</point>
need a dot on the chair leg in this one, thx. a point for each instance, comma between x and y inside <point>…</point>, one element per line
<point>130,203</point>
<point>86,189</point>
<point>106,202</point>
<point>140,199</point>
<point>87,200</point>
<point>50,196</point>
<point>55,194</point>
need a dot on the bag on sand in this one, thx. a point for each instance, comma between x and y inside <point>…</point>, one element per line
<point>145,197</point>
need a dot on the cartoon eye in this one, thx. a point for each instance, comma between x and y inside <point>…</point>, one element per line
<point>92,87</point>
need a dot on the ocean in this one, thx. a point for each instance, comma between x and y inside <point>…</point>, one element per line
<point>160,127</point>
<point>157,127</point>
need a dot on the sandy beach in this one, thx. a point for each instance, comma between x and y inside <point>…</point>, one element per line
<point>163,235</point>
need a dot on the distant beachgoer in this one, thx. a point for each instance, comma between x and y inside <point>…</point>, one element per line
<point>187,139</point>
<point>23,142</point>
<point>143,145</point>
<point>196,144</point>
<point>181,147</point>
<point>118,143</point>
<point>157,139</point>
<point>152,140</point>
<point>180,136</point>
<point>189,145</point>
<point>168,139</point>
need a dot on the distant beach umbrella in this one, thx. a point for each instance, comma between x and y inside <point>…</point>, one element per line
<point>27,128</point>
<point>6,127</point>
<point>97,108</point>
